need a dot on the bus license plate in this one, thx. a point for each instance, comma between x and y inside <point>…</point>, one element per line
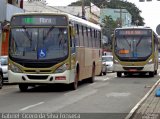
<point>132,70</point>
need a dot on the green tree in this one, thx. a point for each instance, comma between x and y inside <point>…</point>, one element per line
<point>130,7</point>
<point>108,25</point>
<point>108,28</point>
<point>116,4</point>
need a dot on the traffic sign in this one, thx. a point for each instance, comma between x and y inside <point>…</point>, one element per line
<point>158,29</point>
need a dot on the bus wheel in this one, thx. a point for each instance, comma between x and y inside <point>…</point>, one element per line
<point>125,73</point>
<point>23,87</point>
<point>101,73</point>
<point>155,72</point>
<point>74,85</point>
<point>92,78</point>
<point>151,74</point>
<point>104,73</point>
<point>1,81</point>
<point>119,74</point>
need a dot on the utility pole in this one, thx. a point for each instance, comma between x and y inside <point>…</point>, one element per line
<point>120,13</point>
<point>83,10</point>
<point>120,17</point>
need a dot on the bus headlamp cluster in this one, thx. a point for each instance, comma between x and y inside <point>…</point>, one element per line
<point>116,61</point>
<point>61,69</point>
<point>150,61</point>
<point>14,68</point>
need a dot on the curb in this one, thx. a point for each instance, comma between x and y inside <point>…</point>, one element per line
<point>134,109</point>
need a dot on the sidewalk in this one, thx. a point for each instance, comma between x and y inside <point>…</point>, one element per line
<point>148,107</point>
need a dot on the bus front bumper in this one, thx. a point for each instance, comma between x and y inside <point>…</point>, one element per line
<point>145,68</point>
<point>17,78</point>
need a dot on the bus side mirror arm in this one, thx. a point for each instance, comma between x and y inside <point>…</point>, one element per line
<point>6,27</point>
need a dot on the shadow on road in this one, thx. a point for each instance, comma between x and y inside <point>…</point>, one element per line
<point>137,75</point>
<point>55,87</point>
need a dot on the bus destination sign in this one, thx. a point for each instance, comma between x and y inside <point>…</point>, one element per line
<point>38,20</point>
<point>145,32</point>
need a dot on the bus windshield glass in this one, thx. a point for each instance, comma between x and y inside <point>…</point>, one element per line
<point>34,43</point>
<point>133,47</point>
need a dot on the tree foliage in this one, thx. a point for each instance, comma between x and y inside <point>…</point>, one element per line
<point>108,28</point>
<point>109,25</point>
<point>115,4</point>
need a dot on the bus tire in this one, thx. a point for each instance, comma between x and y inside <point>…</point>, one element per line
<point>119,74</point>
<point>23,87</point>
<point>1,81</point>
<point>151,74</point>
<point>92,78</point>
<point>101,73</point>
<point>104,73</point>
<point>125,73</point>
<point>74,85</point>
<point>155,72</point>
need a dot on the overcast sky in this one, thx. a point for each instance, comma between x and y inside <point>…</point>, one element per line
<point>60,2</point>
<point>150,10</point>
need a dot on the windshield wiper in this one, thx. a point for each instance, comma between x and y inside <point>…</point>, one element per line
<point>139,41</point>
<point>127,42</point>
<point>51,28</point>
<point>27,34</point>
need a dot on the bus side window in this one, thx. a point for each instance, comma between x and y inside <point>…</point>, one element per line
<point>77,34</point>
<point>70,32</point>
<point>72,38</point>
<point>155,42</point>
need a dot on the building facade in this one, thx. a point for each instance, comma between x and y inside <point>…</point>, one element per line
<point>8,8</point>
<point>41,6</point>
<point>121,16</point>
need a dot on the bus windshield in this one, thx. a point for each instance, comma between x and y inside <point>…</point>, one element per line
<point>39,43</point>
<point>133,47</point>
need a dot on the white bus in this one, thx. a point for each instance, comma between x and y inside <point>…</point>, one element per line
<point>135,50</point>
<point>46,48</point>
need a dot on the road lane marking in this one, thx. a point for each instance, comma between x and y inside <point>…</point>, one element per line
<point>106,79</point>
<point>31,106</point>
<point>70,100</point>
<point>117,94</point>
<point>102,79</point>
<point>100,82</point>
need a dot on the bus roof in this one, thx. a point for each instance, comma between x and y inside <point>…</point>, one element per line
<point>70,17</point>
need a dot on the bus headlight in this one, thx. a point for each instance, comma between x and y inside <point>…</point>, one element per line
<point>150,61</point>
<point>14,68</point>
<point>116,61</point>
<point>61,69</point>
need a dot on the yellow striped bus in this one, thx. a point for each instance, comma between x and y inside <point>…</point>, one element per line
<point>135,50</point>
<point>46,48</point>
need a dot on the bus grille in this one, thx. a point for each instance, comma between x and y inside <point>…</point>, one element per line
<point>130,68</point>
<point>38,65</point>
<point>40,71</point>
<point>39,77</point>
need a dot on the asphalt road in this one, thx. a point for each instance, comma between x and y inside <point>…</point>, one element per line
<point>108,95</point>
